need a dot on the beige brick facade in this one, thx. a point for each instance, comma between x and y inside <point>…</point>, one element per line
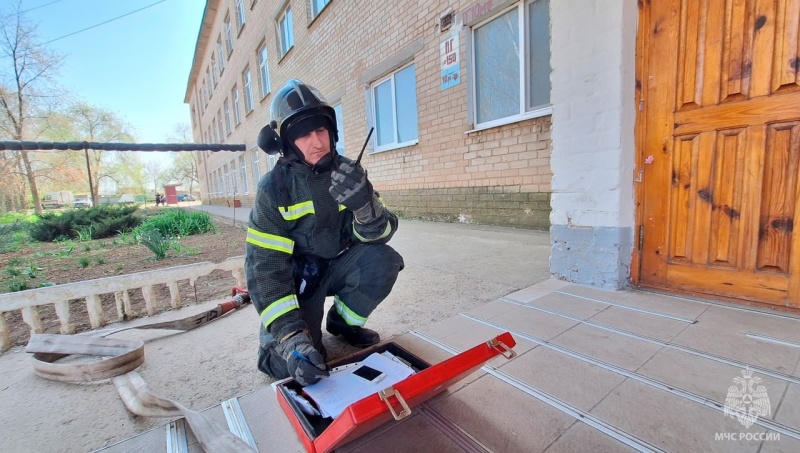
<point>499,175</point>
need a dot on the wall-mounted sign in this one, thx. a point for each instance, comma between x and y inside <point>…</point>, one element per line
<point>448,56</point>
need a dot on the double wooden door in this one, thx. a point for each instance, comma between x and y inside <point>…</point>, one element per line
<point>719,142</point>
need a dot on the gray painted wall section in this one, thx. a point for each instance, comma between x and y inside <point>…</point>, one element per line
<point>596,256</point>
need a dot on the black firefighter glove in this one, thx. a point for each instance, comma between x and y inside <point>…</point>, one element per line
<point>305,364</point>
<point>351,188</point>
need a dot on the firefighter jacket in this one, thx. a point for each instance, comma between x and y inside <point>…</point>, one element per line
<point>294,216</point>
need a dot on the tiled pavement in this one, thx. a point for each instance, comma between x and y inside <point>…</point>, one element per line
<point>595,371</point>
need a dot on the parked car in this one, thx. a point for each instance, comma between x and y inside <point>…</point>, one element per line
<point>82,203</point>
<point>186,197</point>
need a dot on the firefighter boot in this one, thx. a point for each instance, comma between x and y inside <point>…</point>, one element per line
<point>357,336</point>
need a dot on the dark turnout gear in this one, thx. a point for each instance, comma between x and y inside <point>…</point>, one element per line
<point>357,336</point>
<point>303,362</point>
<point>303,246</point>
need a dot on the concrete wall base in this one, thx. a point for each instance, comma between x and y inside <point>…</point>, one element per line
<point>473,205</point>
<point>596,256</point>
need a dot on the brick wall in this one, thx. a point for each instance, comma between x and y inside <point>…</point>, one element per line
<point>496,176</point>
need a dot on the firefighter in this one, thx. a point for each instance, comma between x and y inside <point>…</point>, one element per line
<point>317,229</point>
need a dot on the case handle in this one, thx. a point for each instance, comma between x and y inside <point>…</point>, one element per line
<point>388,392</point>
<point>507,352</point>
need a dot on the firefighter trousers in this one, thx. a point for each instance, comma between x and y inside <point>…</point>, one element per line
<point>359,279</point>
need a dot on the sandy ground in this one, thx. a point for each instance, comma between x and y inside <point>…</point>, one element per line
<point>449,268</point>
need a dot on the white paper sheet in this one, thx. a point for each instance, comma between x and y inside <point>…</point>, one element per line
<point>335,393</point>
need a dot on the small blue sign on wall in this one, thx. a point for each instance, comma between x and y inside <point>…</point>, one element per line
<point>450,76</point>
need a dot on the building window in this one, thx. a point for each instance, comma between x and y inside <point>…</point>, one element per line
<point>340,127</point>
<point>214,129</point>
<point>237,118</point>
<point>511,63</point>
<point>234,178</point>
<point>221,56</point>
<point>248,91</point>
<point>256,167</point>
<point>228,35</point>
<point>286,31</point>
<point>263,70</point>
<point>219,126</point>
<point>214,73</point>
<point>208,134</point>
<point>227,107</point>
<point>209,83</point>
<point>240,18</point>
<point>394,106</point>
<point>317,6</point>
<point>243,174</point>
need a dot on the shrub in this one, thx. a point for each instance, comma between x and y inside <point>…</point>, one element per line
<point>85,224</point>
<point>13,235</point>
<point>155,241</point>
<point>177,222</point>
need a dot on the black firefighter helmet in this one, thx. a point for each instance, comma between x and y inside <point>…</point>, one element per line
<point>296,109</point>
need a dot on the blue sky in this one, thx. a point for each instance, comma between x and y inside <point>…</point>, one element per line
<point>136,66</point>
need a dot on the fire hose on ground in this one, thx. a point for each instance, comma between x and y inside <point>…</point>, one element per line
<point>119,360</point>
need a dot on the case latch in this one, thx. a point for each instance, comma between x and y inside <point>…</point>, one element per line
<point>505,350</point>
<point>387,393</point>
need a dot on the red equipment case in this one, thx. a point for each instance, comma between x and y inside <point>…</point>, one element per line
<point>320,435</point>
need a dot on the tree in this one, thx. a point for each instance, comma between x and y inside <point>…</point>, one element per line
<point>184,166</point>
<point>27,91</point>
<point>95,124</point>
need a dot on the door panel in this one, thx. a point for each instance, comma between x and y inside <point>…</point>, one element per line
<point>721,148</point>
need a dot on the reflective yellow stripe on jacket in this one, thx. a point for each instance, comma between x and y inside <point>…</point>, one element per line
<point>270,241</point>
<point>296,211</point>
<point>278,308</point>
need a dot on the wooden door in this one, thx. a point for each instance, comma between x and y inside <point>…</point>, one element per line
<point>720,150</point>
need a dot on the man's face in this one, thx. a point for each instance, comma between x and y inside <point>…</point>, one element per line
<point>315,145</point>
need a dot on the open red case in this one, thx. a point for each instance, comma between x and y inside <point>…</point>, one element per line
<point>396,402</point>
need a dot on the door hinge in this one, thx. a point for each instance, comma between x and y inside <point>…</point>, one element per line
<point>641,237</point>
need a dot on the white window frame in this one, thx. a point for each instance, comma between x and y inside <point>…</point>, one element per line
<point>221,55</point>
<point>234,178</point>
<point>227,107</point>
<point>256,167</point>
<point>247,84</point>
<point>285,31</point>
<point>524,114</point>
<point>228,35</point>
<point>226,179</point>
<point>214,73</point>
<point>263,69</point>
<point>243,174</point>
<point>338,108</point>
<point>214,130</point>
<point>240,15</point>
<point>374,113</point>
<point>237,116</point>
<point>219,126</point>
<point>313,7</point>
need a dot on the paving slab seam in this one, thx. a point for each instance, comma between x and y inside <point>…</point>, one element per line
<point>452,430</point>
<point>554,402</point>
<point>766,339</point>
<point>628,307</point>
<point>707,402</point>
<point>666,344</point>
<point>724,305</point>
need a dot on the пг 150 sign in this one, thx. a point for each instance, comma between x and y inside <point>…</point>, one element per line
<point>448,57</point>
